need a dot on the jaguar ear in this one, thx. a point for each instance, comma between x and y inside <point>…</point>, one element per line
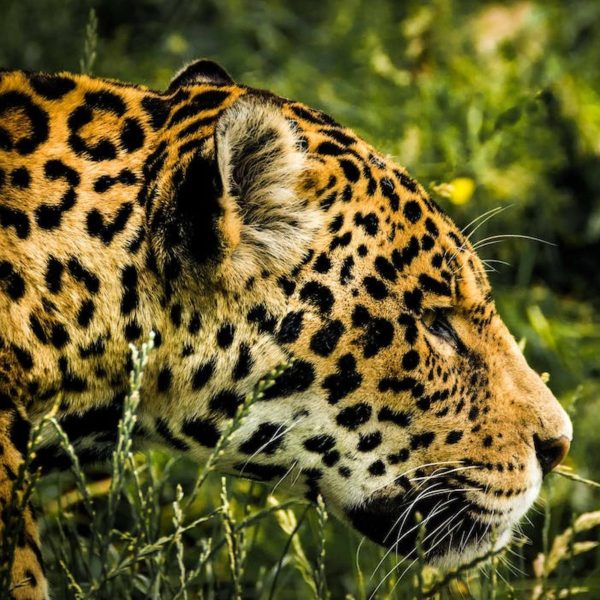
<point>261,166</point>
<point>238,204</point>
<point>200,71</point>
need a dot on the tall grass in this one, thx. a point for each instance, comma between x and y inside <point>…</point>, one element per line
<point>146,528</point>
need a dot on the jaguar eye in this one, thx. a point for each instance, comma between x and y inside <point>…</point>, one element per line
<point>438,324</point>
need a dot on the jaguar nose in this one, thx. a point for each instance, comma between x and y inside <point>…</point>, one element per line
<point>550,453</point>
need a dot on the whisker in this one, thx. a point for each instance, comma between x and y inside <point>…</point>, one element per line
<point>505,236</point>
<point>294,464</point>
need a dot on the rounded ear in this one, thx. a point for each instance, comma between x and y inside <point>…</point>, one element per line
<point>198,72</point>
<point>235,207</point>
<point>268,224</point>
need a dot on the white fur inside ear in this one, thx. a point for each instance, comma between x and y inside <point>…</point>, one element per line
<point>261,165</point>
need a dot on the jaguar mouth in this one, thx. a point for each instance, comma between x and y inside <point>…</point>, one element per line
<point>448,528</point>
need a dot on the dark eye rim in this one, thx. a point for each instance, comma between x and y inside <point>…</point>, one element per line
<point>440,326</point>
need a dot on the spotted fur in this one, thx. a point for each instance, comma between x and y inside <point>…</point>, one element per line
<point>245,229</point>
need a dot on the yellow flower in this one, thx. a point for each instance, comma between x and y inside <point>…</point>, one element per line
<point>462,189</point>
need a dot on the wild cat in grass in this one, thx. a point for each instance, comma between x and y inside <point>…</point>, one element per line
<point>247,230</point>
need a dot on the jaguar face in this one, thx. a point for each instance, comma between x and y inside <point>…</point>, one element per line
<point>409,400</point>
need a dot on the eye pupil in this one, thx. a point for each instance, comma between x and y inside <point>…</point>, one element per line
<point>438,324</point>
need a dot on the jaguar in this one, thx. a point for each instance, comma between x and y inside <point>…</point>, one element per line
<point>247,231</point>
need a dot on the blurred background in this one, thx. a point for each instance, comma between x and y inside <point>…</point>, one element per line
<point>489,104</point>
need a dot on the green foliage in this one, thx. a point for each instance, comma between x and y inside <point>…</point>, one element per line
<point>494,106</point>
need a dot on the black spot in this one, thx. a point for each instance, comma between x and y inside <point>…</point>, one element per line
<point>225,335</point>
<point>412,211</point>
<point>195,323</point>
<point>427,242</point>
<point>200,102</point>
<point>363,250</point>
<point>473,413</point>
<point>345,472</point>
<point>13,217</point>
<point>23,356</point>
<point>379,332</point>
<point>82,275</point>
<point>341,241</point>
<point>404,257</point>
<point>322,263</point>
<point>352,417</point>
<point>433,285</point>
<point>132,135</point>
<point>421,440</point>
<point>14,284</point>
<point>487,441</point>
<point>260,316</point>
<point>175,314</point>
<point>406,181</point>
<point>396,385</point>
<point>267,438</point>
<point>52,277</point>
<point>318,295</point>
<point>431,227</point>
<point>73,383</point>
<point>336,223</point>
<point>36,128</point>
<point>387,189</point>
<point>157,109</point>
<point>18,433</point>
<point>398,417</point>
<point>226,402</point>
<point>202,374</point>
<point>162,427</point>
<point>327,202</point>
<point>320,443</point>
<point>132,331</point>
<point>377,468</point>
<point>410,360</point>
<point>37,329</point>
<point>203,431</point>
<point>454,437</point>
<point>51,87</point>
<point>244,363</point>
<point>375,287</point>
<point>85,313</point>
<point>97,227</point>
<point>330,458</point>
<point>95,348</point>
<point>346,271</point>
<point>287,285</point>
<point>370,222</point>
<point>401,456</point>
<point>59,335</point>
<point>129,279</point>
<point>350,170</point>
<point>344,381</point>
<point>20,178</point>
<point>385,268</point>
<point>369,441</point>
<point>104,101</point>
<point>261,472</point>
<point>163,381</point>
<point>297,378</point>
<point>325,340</point>
<point>413,300</point>
<point>291,327</point>
<point>330,149</point>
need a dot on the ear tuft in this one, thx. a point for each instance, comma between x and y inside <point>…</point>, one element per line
<point>261,166</point>
<point>198,72</point>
